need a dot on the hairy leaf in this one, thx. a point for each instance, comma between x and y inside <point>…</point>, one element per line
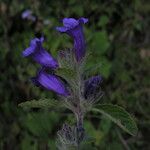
<point>119,116</point>
<point>46,103</point>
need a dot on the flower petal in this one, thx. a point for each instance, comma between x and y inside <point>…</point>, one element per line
<point>26,13</point>
<point>39,54</point>
<point>32,48</point>
<point>42,39</point>
<point>51,82</point>
<point>28,51</point>
<point>70,22</point>
<point>45,59</point>
<point>61,29</point>
<point>79,42</point>
<point>83,20</point>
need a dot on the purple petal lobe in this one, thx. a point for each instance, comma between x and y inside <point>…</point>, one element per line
<point>61,29</point>
<point>83,20</point>
<point>26,13</point>
<point>70,22</point>
<point>51,82</point>
<point>42,39</point>
<point>39,54</point>
<point>28,51</point>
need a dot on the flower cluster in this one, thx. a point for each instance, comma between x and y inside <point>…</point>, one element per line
<point>41,56</point>
<point>78,94</point>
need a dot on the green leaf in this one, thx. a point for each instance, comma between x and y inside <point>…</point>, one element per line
<point>41,123</point>
<point>27,143</point>
<point>119,116</point>
<point>46,103</point>
<point>103,21</point>
<point>105,68</point>
<point>101,42</point>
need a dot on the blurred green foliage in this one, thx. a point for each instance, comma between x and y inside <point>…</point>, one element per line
<point>118,37</point>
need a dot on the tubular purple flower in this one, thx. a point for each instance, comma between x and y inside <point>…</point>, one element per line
<point>92,86</point>
<point>74,29</point>
<point>27,14</point>
<point>50,82</point>
<point>39,54</point>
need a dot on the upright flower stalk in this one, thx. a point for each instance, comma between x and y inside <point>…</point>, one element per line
<point>78,94</point>
<point>85,92</point>
<point>74,29</point>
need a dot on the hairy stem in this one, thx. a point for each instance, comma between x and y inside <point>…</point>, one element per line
<point>79,112</point>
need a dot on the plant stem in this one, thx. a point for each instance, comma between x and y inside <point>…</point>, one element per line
<point>79,112</point>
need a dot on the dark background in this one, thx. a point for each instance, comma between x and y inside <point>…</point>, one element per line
<point>118,40</point>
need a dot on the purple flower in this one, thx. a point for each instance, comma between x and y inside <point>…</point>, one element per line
<point>39,54</point>
<point>92,86</point>
<point>50,82</point>
<point>74,29</point>
<point>27,14</point>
